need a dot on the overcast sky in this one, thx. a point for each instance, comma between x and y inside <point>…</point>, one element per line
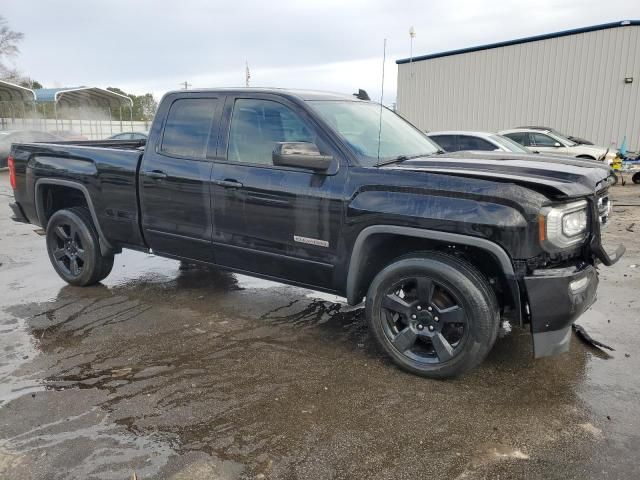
<point>153,45</point>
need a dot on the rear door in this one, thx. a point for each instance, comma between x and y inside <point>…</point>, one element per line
<point>276,221</point>
<point>175,174</point>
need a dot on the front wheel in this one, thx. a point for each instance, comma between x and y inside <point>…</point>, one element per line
<point>434,314</point>
<point>74,249</point>
<point>636,178</point>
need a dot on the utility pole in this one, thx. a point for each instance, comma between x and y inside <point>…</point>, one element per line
<point>247,74</point>
<point>412,35</point>
<point>185,85</point>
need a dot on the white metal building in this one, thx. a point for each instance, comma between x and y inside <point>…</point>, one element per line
<point>583,82</point>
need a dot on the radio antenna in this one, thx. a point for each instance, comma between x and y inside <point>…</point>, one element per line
<point>384,58</point>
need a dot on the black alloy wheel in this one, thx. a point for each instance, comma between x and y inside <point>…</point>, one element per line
<point>424,320</point>
<point>74,247</point>
<point>433,313</point>
<point>68,251</point>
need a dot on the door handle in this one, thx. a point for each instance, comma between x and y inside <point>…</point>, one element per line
<point>157,174</point>
<point>228,183</point>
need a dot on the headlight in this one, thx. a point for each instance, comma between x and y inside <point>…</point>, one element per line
<point>564,226</point>
<point>574,223</point>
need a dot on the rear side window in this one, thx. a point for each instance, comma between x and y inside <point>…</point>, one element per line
<point>467,142</point>
<point>186,132</point>
<point>256,127</point>
<point>446,142</point>
<point>519,137</point>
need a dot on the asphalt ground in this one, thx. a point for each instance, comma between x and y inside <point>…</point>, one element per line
<point>195,373</point>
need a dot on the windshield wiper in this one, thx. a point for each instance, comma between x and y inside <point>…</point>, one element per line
<point>402,158</point>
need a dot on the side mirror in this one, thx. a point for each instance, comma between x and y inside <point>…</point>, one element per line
<point>300,154</point>
<point>557,144</point>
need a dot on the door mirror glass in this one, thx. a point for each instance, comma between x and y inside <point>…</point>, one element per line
<point>300,154</point>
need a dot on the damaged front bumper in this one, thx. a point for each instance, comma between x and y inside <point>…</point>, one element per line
<point>557,297</point>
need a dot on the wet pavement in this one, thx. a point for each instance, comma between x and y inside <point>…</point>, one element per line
<point>202,374</point>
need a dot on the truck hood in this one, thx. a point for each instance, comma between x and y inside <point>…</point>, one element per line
<point>557,176</point>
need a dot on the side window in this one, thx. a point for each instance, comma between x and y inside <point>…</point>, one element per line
<point>447,142</point>
<point>256,127</point>
<point>187,128</point>
<point>467,142</point>
<point>519,137</point>
<point>541,140</point>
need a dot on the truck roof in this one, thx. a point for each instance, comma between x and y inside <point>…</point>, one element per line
<point>292,93</point>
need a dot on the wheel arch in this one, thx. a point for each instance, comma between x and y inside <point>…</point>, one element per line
<point>363,266</point>
<point>43,216</point>
<point>586,157</point>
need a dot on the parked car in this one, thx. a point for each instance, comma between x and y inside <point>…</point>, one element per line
<point>573,138</point>
<point>69,135</point>
<point>553,142</point>
<point>330,192</point>
<point>128,136</point>
<point>8,137</point>
<point>455,141</point>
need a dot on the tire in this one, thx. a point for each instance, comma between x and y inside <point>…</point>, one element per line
<point>586,157</point>
<point>74,249</point>
<point>613,179</point>
<point>636,178</point>
<point>447,309</point>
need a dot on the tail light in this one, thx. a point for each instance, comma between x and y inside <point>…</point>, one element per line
<point>12,171</point>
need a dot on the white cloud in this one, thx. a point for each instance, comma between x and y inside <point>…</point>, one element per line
<point>153,45</point>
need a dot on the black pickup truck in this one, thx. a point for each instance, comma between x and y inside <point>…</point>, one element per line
<point>336,194</point>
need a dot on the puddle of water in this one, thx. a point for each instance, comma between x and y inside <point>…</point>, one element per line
<point>245,377</point>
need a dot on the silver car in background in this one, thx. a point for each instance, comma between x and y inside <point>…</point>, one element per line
<point>456,141</point>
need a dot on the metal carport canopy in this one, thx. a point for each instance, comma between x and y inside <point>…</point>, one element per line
<point>82,96</point>
<point>10,92</point>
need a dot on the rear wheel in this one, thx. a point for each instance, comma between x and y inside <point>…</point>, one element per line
<point>74,249</point>
<point>435,315</point>
<point>636,178</point>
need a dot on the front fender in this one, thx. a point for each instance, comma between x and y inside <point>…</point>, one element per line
<point>359,257</point>
<point>502,221</point>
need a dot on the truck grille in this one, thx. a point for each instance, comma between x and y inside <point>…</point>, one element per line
<point>604,209</point>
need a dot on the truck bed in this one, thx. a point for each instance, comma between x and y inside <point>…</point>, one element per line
<point>107,169</point>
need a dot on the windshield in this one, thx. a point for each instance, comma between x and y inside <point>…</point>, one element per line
<point>358,123</point>
<point>509,144</point>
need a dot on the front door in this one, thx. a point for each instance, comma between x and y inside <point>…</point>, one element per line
<point>280,222</point>
<point>174,179</point>
<point>543,143</point>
